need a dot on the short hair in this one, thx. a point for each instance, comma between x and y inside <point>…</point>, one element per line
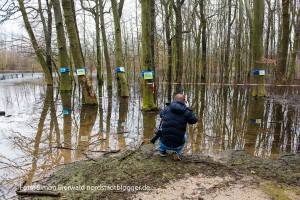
<point>179,97</point>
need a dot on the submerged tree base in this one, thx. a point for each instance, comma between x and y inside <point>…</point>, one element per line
<point>151,109</point>
<point>144,167</point>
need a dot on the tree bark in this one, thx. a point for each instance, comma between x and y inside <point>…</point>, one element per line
<point>294,70</point>
<point>105,48</point>
<point>203,41</point>
<point>238,44</point>
<point>179,44</point>
<point>47,27</point>
<point>148,96</point>
<point>38,193</point>
<point>117,11</point>
<point>36,47</point>
<point>168,10</point>
<point>97,24</point>
<point>284,40</point>
<point>257,48</point>
<point>227,51</point>
<point>65,79</point>
<point>88,93</point>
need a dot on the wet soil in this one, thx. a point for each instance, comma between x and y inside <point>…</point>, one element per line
<point>145,167</point>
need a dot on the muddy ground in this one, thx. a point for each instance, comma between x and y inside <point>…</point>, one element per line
<point>231,175</point>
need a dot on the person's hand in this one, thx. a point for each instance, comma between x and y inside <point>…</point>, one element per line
<point>187,104</point>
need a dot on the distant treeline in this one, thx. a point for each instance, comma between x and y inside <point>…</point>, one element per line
<point>11,62</point>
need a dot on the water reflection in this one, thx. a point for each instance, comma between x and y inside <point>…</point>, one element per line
<point>36,152</point>
<point>87,121</point>
<point>67,125</point>
<point>44,128</point>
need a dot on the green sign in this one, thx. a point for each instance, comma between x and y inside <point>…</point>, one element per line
<point>84,138</point>
<point>80,72</point>
<point>148,75</point>
<point>258,121</point>
<point>262,72</point>
<point>122,69</point>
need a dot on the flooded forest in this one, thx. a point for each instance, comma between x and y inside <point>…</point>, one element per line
<point>84,81</point>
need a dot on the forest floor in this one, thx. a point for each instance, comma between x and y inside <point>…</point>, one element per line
<point>230,175</point>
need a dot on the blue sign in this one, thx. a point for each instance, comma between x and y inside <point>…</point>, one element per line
<point>120,123</point>
<point>146,72</point>
<point>260,72</point>
<point>255,121</point>
<point>64,70</point>
<point>67,112</point>
<point>120,69</point>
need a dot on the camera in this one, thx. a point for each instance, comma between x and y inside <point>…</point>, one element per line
<point>157,135</point>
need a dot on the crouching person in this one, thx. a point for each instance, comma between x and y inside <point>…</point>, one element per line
<point>175,118</point>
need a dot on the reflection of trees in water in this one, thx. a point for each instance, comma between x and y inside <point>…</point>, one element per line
<point>67,126</point>
<point>37,152</point>
<point>277,131</point>
<point>87,121</point>
<point>123,111</point>
<point>224,123</point>
<point>223,114</point>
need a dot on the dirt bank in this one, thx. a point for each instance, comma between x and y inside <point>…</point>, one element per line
<point>232,174</point>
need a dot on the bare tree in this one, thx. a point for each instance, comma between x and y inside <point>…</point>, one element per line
<point>88,93</point>
<point>36,47</point>
<point>117,13</point>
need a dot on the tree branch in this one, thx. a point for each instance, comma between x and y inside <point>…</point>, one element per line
<point>121,4</point>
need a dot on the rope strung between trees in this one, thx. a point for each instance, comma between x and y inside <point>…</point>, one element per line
<point>223,84</point>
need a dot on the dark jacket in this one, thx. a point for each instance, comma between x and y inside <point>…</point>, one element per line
<point>175,118</point>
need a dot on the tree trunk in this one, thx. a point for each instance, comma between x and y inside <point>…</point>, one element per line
<point>198,53</point>
<point>65,80</point>
<point>117,11</point>
<point>284,40</point>
<point>36,47</point>
<point>88,93</point>
<point>105,48</point>
<point>97,24</point>
<point>227,51</point>
<point>168,11</point>
<point>203,41</point>
<point>238,44</point>
<point>270,21</point>
<point>294,71</point>
<point>179,46</point>
<point>257,48</point>
<point>148,95</point>
<point>47,28</point>
<point>297,62</point>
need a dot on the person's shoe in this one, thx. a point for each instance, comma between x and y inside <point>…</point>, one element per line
<point>175,154</point>
<point>163,153</point>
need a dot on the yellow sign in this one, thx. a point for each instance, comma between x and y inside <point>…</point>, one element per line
<point>148,75</point>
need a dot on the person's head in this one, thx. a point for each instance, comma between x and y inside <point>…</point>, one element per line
<point>179,97</point>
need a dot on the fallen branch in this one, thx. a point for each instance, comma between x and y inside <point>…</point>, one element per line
<point>38,193</point>
<point>127,155</point>
<point>67,148</point>
<point>128,174</point>
<point>112,151</point>
<point>121,132</point>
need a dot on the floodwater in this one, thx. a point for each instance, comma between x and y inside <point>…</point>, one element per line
<point>43,128</point>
